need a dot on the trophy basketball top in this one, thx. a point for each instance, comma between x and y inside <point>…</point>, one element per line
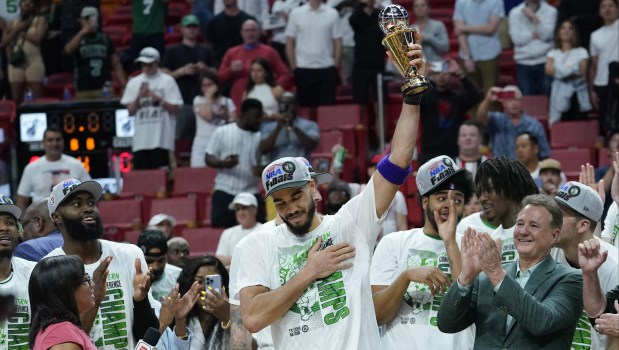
<point>393,18</point>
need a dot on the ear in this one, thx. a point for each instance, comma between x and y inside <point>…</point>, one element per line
<point>38,221</point>
<point>424,202</point>
<point>555,236</point>
<point>56,218</point>
<point>583,225</point>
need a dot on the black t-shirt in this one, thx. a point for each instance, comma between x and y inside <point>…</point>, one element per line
<point>178,56</point>
<point>93,61</point>
<point>70,16</point>
<point>369,50</point>
<point>224,32</point>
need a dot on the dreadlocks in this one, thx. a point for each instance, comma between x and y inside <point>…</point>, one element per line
<point>505,176</point>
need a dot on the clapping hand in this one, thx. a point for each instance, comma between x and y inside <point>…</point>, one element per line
<point>99,278</point>
<point>587,177</point>
<point>187,302</point>
<point>141,282</point>
<point>470,263</point>
<point>169,305</point>
<point>489,255</point>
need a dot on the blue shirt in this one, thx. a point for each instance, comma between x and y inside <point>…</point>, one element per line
<point>503,134</point>
<point>287,143</point>
<point>480,12</point>
<point>36,249</point>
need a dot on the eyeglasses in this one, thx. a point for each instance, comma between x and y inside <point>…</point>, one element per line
<point>87,280</point>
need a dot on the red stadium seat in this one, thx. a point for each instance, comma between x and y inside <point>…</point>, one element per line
<point>123,19</point>
<point>7,110</point>
<point>117,34</point>
<point>328,139</point>
<point>582,133</point>
<point>120,216</point>
<point>202,240</point>
<point>536,106</point>
<point>194,180</point>
<point>56,83</point>
<point>132,236</point>
<point>183,209</point>
<point>334,117</point>
<point>572,158</point>
<point>148,183</point>
<point>415,212</point>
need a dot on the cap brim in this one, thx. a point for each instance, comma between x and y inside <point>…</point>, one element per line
<point>90,186</point>
<point>192,23</point>
<point>431,190</point>
<point>11,209</point>
<point>322,178</point>
<point>243,203</point>
<point>145,60</point>
<point>297,184</point>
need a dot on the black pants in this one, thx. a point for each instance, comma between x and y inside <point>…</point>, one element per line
<point>364,84</point>
<point>316,87</point>
<point>602,93</point>
<point>151,159</point>
<point>221,216</point>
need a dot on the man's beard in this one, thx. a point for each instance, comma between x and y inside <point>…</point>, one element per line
<point>304,228</point>
<point>157,274</point>
<point>84,233</point>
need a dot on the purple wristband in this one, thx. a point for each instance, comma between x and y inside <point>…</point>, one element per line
<point>392,172</point>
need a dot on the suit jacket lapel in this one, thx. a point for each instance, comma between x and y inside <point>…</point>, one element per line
<point>539,275</point>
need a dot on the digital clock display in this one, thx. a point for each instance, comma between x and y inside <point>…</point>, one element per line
<point>96,132</point>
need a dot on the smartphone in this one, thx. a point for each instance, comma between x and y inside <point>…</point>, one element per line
<point>439,67</point>
<point>213,281</point>
<point>507,95</point>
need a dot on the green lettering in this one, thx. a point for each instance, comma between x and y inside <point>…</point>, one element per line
<point>332,318</point>
<point>110,306</point>
<point>331,291</point>
<point>334,276</point>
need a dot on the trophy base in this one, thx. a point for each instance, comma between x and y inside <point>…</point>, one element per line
<point>415,86</point>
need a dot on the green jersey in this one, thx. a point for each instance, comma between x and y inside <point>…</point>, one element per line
<point>148,16</point>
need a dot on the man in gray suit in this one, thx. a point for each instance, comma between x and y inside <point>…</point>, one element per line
<point>531,303</point>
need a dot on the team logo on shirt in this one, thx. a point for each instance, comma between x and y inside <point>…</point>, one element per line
<point>324,302</point>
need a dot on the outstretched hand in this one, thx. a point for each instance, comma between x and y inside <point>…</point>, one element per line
<point>188,300</point>
<point>587,177</point>
<point>99,278</point>
<point>141,281</point>
<point>470,262</point>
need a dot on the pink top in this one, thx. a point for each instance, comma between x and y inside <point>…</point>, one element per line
<point>64,332</point>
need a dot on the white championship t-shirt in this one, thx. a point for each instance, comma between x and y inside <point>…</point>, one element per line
<point>14,331</point>
<point>336,312</point>
<point>414,326</point>
<point>154,126</point>
<point>611,225</point>
<point>475,222</point>
<point>586,337</point>
<point>42,175</point>
<point>168,280</point>
<point>112,328</point>
<point>231,237</point>
<point>264,337</point>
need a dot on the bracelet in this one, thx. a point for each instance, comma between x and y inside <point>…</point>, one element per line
<point>412,100</point>
<point>392,172</point>
<point>225,326</point>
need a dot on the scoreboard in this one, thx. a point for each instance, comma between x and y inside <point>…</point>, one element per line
<point>97,132</point>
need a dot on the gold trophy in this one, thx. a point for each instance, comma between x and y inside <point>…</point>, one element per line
<point>393,21</point>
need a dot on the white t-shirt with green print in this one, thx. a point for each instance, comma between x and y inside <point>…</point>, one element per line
<point>415,325</point>
<point>14,331</point>
<point>611,225</point>
<point>335,312</point>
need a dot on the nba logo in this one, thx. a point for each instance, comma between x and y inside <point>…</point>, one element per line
<point>144,346</point>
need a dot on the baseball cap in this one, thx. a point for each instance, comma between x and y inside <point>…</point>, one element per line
<point>148,55</point>
<point>434,172</point>
<point>89,11</point>
<point>287,172</point>
<point>550,164</point>
<point>68,187</point>
<point>7,206</point>
<point>159,218</point>
<point>189,20</point>
<point>245,199</point>
<point>320,178</point>
<point>150,239</point>
<point>582,199</point>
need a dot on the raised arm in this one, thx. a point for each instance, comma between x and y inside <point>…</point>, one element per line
<point>403,143</point>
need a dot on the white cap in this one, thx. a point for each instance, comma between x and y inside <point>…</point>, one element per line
<point>434,172</point>
<point>64,189</point>
<point>245,199</point>
<point>148,55</point>
<point>287,172</point>
<point>581,198</point>
<point>159,218</point>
